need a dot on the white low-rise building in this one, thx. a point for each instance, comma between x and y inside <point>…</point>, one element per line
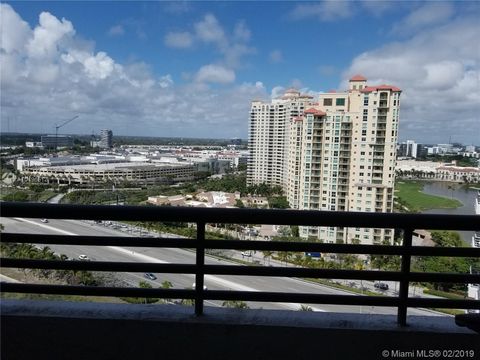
<point>116,173</point>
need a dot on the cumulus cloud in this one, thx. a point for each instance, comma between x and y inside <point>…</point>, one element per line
<point>215,74</point>
<point>323,11</point>
<point>180,40</point>
<point>242,32</point>
<point>275,56</point>
<point>209,30</point>
<point>48,74</point>
<point>116,30</point>
<point>439,72</point>
<point>426,15</point>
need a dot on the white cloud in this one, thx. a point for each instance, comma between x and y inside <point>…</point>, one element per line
<point>215,74</point>
<point>277,91</point>
<point>165,81</point>
<point>426,15</point>
<point>242,32</point>
<point>181,40</point>
<point>209,30</point>
<point>116,30</point>
<point>439,72</point>
<point>60,75</point>
<point>275,56</point>
<point>232,47</point>
<point>13,41</point>
<point>378,7</point>
<point>325,11</point>
<point>48,36</point>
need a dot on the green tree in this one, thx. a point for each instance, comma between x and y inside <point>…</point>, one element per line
<point>304,307</point>
<point>267,254</point>
<point>239,203</point>
<point>238,304</point>
<point>278,202</point>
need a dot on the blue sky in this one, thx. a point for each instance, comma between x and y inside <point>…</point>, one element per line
<point>192,68</point>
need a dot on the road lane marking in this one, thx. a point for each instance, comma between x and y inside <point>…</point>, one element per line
<point>46,227</point>
<point>212,278</point>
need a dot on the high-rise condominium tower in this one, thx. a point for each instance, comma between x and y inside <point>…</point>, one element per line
<point>106,139</point>
<point>337,154</point>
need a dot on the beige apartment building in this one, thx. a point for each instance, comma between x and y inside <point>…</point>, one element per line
<point>269,137</point>
<point>339,155</point>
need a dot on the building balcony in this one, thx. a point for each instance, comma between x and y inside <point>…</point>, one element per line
<point>45,329</point>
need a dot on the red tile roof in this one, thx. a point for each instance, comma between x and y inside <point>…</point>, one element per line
<point>358,78</point>
<point>315,112</point>
<point>380,87</point>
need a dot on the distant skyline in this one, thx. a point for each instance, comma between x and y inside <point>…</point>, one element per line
<point>191,69</point>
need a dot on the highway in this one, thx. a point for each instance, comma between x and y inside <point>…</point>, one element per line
<point>181,281</point>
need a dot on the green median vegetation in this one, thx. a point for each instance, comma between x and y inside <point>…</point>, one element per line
<point>409,194</point>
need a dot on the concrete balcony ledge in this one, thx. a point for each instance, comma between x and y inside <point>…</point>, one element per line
<point>60,330</point>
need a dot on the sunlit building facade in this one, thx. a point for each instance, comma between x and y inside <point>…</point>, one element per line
<point>339,156</point>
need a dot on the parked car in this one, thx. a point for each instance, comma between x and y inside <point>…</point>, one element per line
<point>44,220</point>
<point>83,257</point>
<point>150,276</point>
<point>381,286</point>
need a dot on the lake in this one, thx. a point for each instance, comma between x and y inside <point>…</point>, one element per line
<point>453,191</point>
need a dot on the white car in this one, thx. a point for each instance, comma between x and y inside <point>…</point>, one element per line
<point>83,257</point>
<point>44,220</point>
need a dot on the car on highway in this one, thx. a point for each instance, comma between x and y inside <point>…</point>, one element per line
<point>246,253</point>
<point>44,220</point>
<point>381,286</point>
<point>150,276</point>
<point>83,257</point>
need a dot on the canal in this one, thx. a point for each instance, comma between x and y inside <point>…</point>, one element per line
<point>453,191</point>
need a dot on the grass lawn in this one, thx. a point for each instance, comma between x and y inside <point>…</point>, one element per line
<point>409,194</point>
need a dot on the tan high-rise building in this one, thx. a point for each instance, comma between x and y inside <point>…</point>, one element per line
<point>268,138</point>
<point>338,155</point>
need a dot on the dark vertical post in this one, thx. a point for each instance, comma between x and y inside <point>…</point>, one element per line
<point>405,275</point>
<point>200,264</point>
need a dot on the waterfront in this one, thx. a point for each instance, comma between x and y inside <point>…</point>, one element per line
<point>453,191</point>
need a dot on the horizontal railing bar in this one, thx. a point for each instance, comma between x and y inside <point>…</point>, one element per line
<point>98,240</point>
<point>236,270</point>
<point>98,266</point>
<point>301,298</point>
<point>239,244</point>
<point>241,216</point>
<point>235,295</point>
<point>341,248</point>
<point>445,277</point>
<point>96,291</point>
<point>209,294</point>
<point>337,299</point>
<point>443,303</point>
<point>338,274</point>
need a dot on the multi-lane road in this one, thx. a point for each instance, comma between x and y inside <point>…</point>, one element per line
<point>181,281</point>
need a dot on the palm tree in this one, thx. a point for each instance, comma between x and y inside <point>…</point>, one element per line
<point>304,307</point>
<point>166,285</point>
<point>238,304</point>
<point>267,254</point>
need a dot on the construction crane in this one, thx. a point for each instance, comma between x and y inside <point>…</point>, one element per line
<point>62,125</point>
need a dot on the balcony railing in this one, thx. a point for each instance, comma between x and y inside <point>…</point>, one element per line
<point>406,222</point>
